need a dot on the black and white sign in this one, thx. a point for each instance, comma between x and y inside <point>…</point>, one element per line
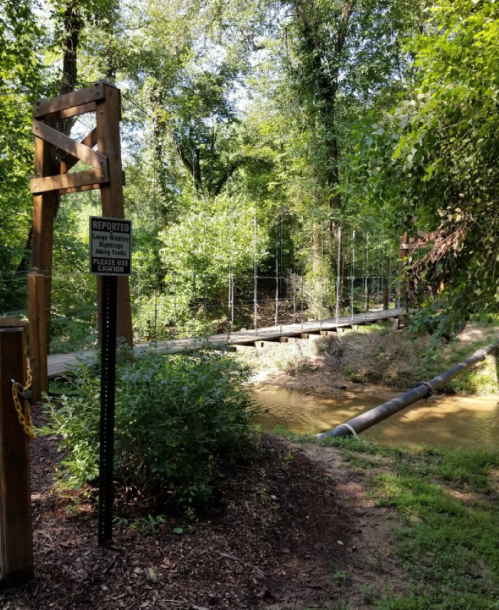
<point>110,246</point>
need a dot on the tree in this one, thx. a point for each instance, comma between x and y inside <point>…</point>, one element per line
<point>21,83</point>
<point>433,158</point>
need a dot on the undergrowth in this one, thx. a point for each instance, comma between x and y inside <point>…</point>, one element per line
<point>176,417</point>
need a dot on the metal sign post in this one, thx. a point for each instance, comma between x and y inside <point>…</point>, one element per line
<point>110,256</point>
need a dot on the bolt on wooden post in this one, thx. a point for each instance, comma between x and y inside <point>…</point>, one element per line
<point>16,538</point>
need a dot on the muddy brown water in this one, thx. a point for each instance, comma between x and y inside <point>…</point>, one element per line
<point>456,421</point>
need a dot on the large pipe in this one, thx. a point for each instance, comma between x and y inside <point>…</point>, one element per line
<point>424,390</point>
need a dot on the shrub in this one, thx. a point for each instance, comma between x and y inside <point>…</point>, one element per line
<point>176,416</point>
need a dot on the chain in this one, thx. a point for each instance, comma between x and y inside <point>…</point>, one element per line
<point>24,416</point>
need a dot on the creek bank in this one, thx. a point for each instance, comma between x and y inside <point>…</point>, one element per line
<point>373,360</point>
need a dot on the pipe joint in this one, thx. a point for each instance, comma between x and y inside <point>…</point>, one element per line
<point>430,389</point>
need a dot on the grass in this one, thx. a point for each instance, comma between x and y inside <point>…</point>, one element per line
<point>480,380</point>
<point>450,506</point>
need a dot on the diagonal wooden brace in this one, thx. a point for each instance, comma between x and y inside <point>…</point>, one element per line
<point>70,161</point>
<point>74,148</point>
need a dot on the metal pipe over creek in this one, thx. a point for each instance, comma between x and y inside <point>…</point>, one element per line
<point>424,390</point>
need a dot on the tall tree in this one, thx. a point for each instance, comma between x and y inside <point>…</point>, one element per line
<point>21,83</point>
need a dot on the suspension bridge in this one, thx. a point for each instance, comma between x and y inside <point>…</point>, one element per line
<point>61,364</point>
<point>333,278</point>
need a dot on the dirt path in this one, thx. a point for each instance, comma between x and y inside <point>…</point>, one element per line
<point>293,529</point>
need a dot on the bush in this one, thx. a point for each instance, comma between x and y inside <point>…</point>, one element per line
<point>176,417</point>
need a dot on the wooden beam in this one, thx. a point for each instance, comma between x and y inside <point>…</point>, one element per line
<point>69,100</point>
<point>9,321</point>
<point>245,346</point>
<point>410,246</point>
<point>44,206</point>
<point>265,343</point>
<point>290,339</point>
<point>70,161</point>
<point>76,111</point>
<point>72,147</point>
<point>80,189</point>
<point>69,181</point>
<point>108,116</point>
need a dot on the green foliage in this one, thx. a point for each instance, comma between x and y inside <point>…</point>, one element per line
<point>176,417</point>
<point>432,158</point>
<point>20,84</point>
<point>452,538</point>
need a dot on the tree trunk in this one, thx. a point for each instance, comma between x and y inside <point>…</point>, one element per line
<point>326,82</point>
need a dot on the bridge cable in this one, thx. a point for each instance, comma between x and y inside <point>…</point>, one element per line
<point>366,277</point>
<point>338,276</point>
<point>302,276</point>
<point>353,272</point>
<point>255,269</point>
<point>276,275</point>
<point>390,275</point>
<point>205,329</point>
<point>281,278</point>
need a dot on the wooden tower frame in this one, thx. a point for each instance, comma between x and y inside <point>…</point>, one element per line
<point>52,179</point>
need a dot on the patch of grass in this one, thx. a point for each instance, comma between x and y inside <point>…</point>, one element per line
<point>482,379</point>
<point>358,462</point>
<point>351,375</point>
<point>382,328</point>
<point>450,544</point>
<point>420,599</point>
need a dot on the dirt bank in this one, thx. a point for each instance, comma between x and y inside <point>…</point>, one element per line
<point>372,359</point>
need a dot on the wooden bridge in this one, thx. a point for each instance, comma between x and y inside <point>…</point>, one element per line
<point>59,364</point>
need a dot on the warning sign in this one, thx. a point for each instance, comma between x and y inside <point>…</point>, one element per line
<point>110,246</point>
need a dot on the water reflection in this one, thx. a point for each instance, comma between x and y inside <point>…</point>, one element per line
<point>458,421</point>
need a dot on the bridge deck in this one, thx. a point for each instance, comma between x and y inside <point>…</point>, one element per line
<point>59,364</point>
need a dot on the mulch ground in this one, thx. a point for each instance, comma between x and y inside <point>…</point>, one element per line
<point>279,537</point>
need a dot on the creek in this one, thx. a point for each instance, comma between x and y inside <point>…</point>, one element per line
<point>455,421</point>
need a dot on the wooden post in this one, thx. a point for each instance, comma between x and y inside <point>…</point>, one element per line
<point>16,538</point>
<point>38,339</point>
<point>108,116</point>
<point>402,296</point>
<point>385,297</point>
<point>44,211</point>
<point>52,179</point>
